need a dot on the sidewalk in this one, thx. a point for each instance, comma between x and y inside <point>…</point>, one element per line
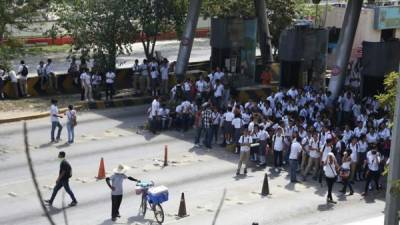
<point>33,108</point>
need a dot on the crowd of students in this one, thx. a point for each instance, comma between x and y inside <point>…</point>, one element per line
<point>346,139</point>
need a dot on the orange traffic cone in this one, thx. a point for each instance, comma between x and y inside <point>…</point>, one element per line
<point>182,207</point>
<point>102,170</point>
<point>166,155</point>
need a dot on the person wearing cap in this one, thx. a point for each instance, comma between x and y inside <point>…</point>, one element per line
<point>63,180</point>
<point>117,188</point>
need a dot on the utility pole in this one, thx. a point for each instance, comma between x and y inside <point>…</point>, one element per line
<point>393,201</point>
<point>187,38</point>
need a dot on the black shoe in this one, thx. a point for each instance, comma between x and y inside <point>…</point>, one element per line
<point>237,173</point>
<point>48,202</point>
<point>351,192</point>
<point>114,219</point>
<point>245,171</point>
<point>73,204</point>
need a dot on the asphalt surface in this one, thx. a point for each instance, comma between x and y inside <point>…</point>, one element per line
<point>201,174</point>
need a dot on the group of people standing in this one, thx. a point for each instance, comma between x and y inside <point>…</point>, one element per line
<point>19,78</point>
<point>346,140</point>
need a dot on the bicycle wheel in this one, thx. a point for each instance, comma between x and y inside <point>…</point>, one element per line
<point>158,213</point>
<point>143,205</point>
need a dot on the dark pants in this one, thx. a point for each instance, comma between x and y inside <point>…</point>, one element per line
<point>59,185</point>
<point>215,128</point>
<point>198,135</point>
<point>109,91</point>
<point>208,137</point>
<point>115,204</point>
<point>53,128</point>
<point>346,184</point>
<point>372,175</point>
<point>278,158</point>
<point>294,164</point>
<point>330,181</point>
<point>360,174</point>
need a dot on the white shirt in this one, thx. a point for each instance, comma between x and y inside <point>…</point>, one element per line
<point>218,90</point>
<point>278,143</point>
<point>218,76</point>
<point>85,78</point>
<point>262,135</point>
<point>164,72</point>
<point>314,151</point>
<point>48,68</point>
<point>362,146</point>
<point>229,116</point>
<point>13,76</point>
<point>237,123</point>
<point>354,151</point>
<point>201,85</point>
<point>154,74</point>
<point>144,68</point>
<point>110,76</point>
<point>54,113</point>
<point>359,131</point>
<point>245,140</point>
<point>372,138</point>
<point>295,149</point>
<point>373,161</point>
<point>155,105</point>
<point>330,170</point>
<point>325,151</point>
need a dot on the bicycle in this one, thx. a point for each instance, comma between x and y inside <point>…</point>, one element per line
<point>153,197</point>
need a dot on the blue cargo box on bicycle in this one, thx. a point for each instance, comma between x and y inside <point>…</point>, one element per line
<point>158,195</point>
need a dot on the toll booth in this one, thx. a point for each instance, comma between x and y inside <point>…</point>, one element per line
<point>302,56</point>
<point>233,43</point>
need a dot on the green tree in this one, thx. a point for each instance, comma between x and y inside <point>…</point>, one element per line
<point>154,17</point>
<point>104,28</point>
<point>388,98</point>
<point>16,14</point>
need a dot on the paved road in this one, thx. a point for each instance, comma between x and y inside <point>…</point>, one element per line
<point>202,175</point>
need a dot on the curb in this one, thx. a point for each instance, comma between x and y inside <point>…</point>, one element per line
<point>85,105</point>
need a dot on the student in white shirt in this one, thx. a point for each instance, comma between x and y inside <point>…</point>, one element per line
<point>277,146</point>
<point>244,142</point>
<point>263,137</point>
<point>51,76</point>
<point>216,121</point>
<point>353,147</point>
<point>14,82</point>
<point>86,85</point>
<point>71,123</point>
<point>314,156</point>
<point>136,76</point>
<point>372,162</point>
<point>218,93</point>
<point>110,78</point>
<point>295,151</point>
<point>330,170</point>
<point>164,70</point>
<point>55,122</point>
<point>345,173</point>
<point>144,76</point>
<point>154,80</point>
<point>227,126</point>
<point>23,78</point>
<point>237,124</point>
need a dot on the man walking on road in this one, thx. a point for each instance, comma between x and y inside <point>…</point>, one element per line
<point>55,121</point>
<point>63,180</point>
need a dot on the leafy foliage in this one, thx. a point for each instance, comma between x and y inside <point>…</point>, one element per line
<point>101,27</point>
<point>388,98</point>
<point>17,14</point>
<point>154,17</point>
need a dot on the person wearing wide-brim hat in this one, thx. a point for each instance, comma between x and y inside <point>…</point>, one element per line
<point>116,188</point>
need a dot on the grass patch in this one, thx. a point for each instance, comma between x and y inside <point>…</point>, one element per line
<point>35,50</point>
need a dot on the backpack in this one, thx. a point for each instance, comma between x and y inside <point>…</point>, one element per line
<point>24,71</point>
